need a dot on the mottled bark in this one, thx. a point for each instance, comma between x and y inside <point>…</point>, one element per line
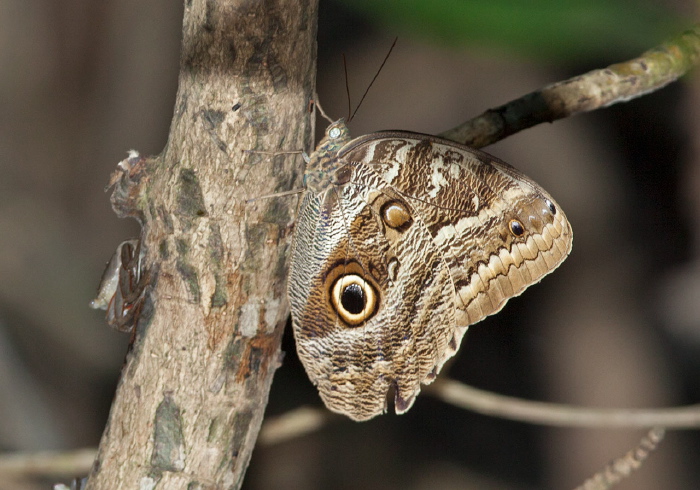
<point>195,384</point>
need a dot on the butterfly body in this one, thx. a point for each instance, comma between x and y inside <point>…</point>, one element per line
<point>402,241</point>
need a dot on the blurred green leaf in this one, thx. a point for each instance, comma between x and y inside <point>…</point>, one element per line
<point>540,28</point>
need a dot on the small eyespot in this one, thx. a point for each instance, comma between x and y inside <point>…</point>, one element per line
<point>551,206</point>
<point>334,133</point>
<point>516,228</point>
<point>396,215</point>
<point>354,299</point>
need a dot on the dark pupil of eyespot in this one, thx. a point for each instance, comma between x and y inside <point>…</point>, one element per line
<point>517,228</point>
<point>552,207</point>
<point>353,299</point>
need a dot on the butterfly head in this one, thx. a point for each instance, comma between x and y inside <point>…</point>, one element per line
<point>337,134</point>
<point>323,161</point>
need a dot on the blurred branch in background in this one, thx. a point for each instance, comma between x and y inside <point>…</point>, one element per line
<point>620,82</point>
<point>488,403</point>
<point>305,420</point>
<point>56,464</point>
<point>622,467</point>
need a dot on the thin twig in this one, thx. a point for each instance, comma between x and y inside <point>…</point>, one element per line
<point>293,424</point>
<point>46,463</point>
<point>622,467</point>
<point>596,89</point>
<point>554,414</point>
<point>299,422</point>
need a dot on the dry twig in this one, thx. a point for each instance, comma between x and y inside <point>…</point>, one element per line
<point>554,414</point>
<point>622,467</point>
<point>46,463</point>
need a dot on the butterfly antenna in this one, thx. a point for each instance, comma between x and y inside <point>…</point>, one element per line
<point>347,86</point>
<point>321,111</point>
<point>372,82</point>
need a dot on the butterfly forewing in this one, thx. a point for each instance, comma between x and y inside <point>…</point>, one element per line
<point>469,201</point>
<point>402,241</point>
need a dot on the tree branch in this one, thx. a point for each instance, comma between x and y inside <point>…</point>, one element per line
<point>620,82</point>
<point>194,388</point>
<point>554,414</point>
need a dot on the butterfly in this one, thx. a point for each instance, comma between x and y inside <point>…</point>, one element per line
<point>402,241</point>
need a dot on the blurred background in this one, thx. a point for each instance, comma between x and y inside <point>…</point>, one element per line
<point>618,325</point>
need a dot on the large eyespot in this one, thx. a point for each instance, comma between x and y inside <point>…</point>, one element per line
<point>395,215</point>
<point>354,299</point>
<point>516,228</point>
<point>551,206</point>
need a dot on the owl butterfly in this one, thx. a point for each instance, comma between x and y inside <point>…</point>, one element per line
<point>402,241</point>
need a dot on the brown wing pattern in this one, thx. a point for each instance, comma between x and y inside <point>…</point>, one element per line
<point>355,365</point>
<point>470,201</point>
<point>403,241</point>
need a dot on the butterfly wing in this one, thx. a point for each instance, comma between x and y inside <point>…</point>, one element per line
<point>357,354</point>
<point>410,240</point>
<point>498,231</point>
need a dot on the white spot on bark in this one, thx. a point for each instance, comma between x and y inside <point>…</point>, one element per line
<point>250,318</point>
<point>147,483</point>
<point>271,312</point>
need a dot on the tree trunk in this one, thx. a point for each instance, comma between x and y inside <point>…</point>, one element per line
<point>195,384</point>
